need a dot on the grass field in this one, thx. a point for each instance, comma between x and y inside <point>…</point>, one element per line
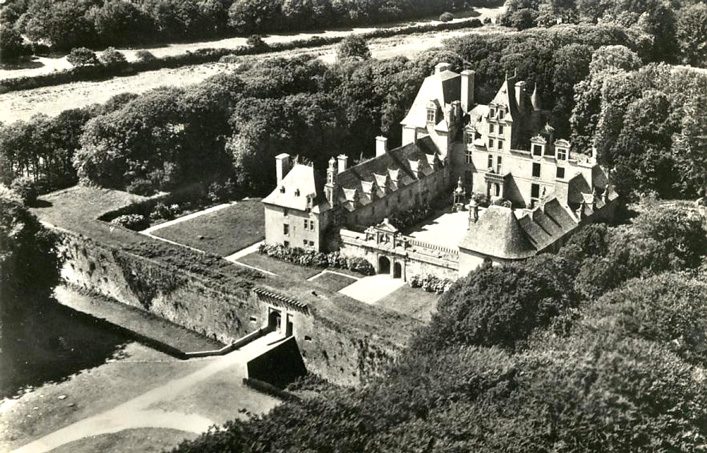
<point>221,232</point>
<point>333,282</point>
<point>22,105</point>
<point>143,440</point>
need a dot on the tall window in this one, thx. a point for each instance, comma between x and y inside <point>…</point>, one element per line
<point>561,154</point>
<point>490,161</point>
<point>491,143</point>
<point>492,112</point>
<point>535,191</point>
<point>286,229</point>
<point>491,128</point>
<point>431,116</point>
<point>536,170</point>
<point>468,156</point>
<point>499,145</point>
<point>499,162</point>
<point>500,129</point>
<point>537,150</point>
<point>560,173</point>
<point>501,114</point>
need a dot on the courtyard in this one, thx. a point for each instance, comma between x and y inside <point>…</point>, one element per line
<point>446,228</point>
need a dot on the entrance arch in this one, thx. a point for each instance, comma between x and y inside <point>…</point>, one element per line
<point>383,265</point>
<point>397,270</point>
<point>275,321</point>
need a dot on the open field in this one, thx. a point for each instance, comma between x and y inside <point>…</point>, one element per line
<point>22,105</point>
<point>221,232</point>
<point>101,408</point>
<point>45,65</point>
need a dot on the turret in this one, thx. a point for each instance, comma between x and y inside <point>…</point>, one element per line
<point>330,187</point>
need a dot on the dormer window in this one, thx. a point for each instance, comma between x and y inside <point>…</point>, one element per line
<point>537,149</point>
<point>501,114</point>
<point>561,154</point>
<point>490,128</point>
<point>492,112</point>
<point>431,115</point>
<point>282,189</point>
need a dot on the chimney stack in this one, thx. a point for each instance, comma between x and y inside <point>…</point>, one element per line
<point>467,90</point>
<point>381,145</point>
<point>441,67</point>
<point>283,164</point>
<point>520,94</point>
<point>343,160</point>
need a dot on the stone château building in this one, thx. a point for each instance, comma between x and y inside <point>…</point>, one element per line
<point>505,149</point>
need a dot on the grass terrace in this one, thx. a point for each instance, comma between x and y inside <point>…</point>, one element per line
<point>222,232</point>
<point>332,281</point>
<point>279,267</point>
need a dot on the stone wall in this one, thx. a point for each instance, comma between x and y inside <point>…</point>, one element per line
<point>331,346</point>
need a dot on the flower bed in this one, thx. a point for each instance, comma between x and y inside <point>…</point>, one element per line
<point>312,258</point>
<point>430,283</point>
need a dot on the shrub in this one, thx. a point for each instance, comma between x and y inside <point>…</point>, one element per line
<point>112,58</point>
<point>353,46</point>
<point>446,17</point>
<point>313,258</point>
<point>161,211</point>
<point>134,222</point>
<point>81,57</point>
<point>26,188</point>
<point>145,56</point>
<point>430,283</point>
<point>256,42</point>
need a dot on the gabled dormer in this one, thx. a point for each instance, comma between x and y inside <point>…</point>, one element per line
<point>562,150</point>
<point>538,146</point>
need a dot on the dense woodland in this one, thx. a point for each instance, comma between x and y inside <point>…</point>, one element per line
<point>643,117</point>
<point>65,24</point>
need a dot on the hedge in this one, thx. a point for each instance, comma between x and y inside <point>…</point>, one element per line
<point>206,55</point>
<point>313,258</point>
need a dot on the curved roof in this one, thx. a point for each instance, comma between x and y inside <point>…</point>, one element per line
<point>498,234</point>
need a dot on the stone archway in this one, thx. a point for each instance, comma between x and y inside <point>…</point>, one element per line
<point>275,321</point>
<point>397,270</point>
<point>383,265</point>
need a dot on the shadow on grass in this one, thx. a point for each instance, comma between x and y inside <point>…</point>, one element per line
<point>17,65</point>
<point>53,344</point>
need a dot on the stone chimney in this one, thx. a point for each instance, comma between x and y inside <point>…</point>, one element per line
<point>283,164</point>
<point>441,67</point>
<point>381,145</point>
<point>467,90</point>
<point>343,160</point>
<point>520,94</point>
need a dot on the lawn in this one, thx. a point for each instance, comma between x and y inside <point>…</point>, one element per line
<point>281,268</point>
<point>221,232</point>
<point>413,302</point>
<point>332,281</point>
<point>143,440</point>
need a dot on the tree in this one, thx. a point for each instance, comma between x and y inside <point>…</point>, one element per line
<point>353,46</point>
<point>692,34</point>
<point>256,42</point>
<point>29,264</point>
<point>254,16</point>
<point>12,45</point>
<point>82,57</point>
<point>498,306</point>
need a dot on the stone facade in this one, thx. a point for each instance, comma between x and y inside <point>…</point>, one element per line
<point>505,150</point>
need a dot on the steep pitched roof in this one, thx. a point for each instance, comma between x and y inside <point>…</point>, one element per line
<point>300,183</point>
<point>498,234</point>
<point>398,167</point>
<point>547,223</point>
<point>506,96</point>
<point>442,88</point>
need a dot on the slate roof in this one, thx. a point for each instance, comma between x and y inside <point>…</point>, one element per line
<point>442,88</point>
<point>498,234</point>
<point>547,223</point>
<point>300,183</point>
<point>385,174</point>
